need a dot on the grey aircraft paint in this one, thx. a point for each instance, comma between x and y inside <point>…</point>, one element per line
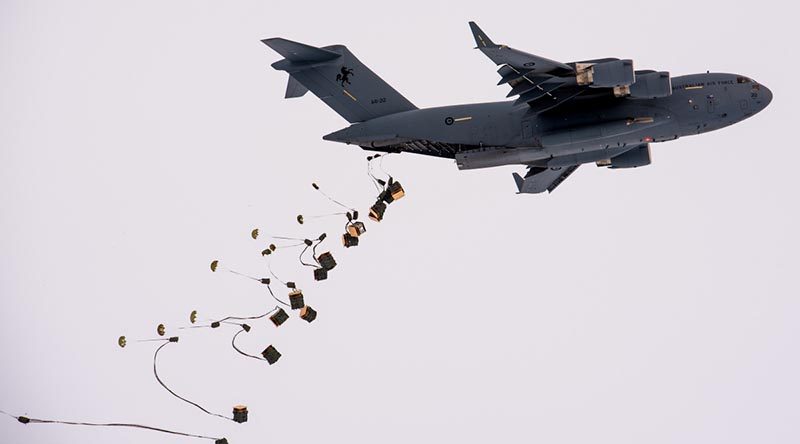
<point>565,115</point>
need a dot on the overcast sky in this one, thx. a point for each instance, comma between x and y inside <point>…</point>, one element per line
<point>141,140</point>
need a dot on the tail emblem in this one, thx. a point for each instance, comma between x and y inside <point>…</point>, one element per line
<point>344,77</point>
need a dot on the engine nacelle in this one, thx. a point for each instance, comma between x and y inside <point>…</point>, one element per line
<point>639,156</point>
<point>651,85</point>
<point>616,73</point>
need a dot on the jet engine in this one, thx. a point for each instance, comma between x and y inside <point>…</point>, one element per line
<point>610,74</point>
<point>651,85</point>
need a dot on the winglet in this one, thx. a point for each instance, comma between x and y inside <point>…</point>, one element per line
<point>481,39</point>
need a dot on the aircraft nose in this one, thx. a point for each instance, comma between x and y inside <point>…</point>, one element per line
<point>765,97</point>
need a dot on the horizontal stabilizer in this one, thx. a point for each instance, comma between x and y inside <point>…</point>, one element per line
<point>299,52</point>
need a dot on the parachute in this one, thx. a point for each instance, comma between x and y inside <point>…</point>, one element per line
<point>389,191</point>
<point>348,210</point>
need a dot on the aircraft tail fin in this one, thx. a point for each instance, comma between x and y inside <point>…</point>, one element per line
<point>337,77</point>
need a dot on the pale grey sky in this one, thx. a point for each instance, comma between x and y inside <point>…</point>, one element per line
<point>141,140</point>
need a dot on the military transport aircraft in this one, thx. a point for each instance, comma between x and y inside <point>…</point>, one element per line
<point>564,114</point>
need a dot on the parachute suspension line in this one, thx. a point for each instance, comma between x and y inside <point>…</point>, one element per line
<point>228,320</point>
<point>273,247</point>
<point>301,219</point>
<point>314,251</point>
<point>242,274</point>
<point>215,265</point>
<point>155,372</point>
<point>115,424</point>
<point>233,343</point>
<point>272,273</point>
<point>301,257</point>
<point>320,216</point>
<point>316,187</point>
<point>380,165</point>
<point>314,244</point>
<point>288,238</point>
<point>248,318</point>
<point>235,323</point>
<point>381,183</point>
<point>371,175</point>
<point>275,297</point>
<point>26,420</point>
<point>314,254</point>
<point>255,234</point>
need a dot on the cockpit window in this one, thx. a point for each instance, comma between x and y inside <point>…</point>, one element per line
<point>743,79</point>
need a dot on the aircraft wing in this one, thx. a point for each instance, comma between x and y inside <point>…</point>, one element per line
<point>503,55</point>
<point>544,84</point>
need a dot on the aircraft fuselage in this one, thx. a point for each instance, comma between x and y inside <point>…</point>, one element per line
<point>564,115</point>
<point>587,129</point>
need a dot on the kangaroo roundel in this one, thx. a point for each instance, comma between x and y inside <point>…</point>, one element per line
<point>344,76</point>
